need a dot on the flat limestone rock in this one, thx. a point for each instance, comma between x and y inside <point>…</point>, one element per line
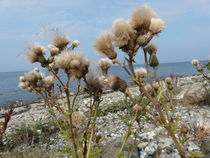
<point>197,94</point>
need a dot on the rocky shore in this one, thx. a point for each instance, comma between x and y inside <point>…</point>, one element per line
<point>192,104</point>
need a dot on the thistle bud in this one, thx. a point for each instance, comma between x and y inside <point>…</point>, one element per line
<point>116,83</point>
<point>75,43</point>
<point>42,60</point>
<point>36,69</point>
<point>168,80</point>
<point>155,85</point>
<point>199,68</point>
<point>195,62</point>
<point>137,108</point>
<point>142,40</point>
<point>148,88</point>
<point>54,51</point>
<point>170,87</point>
<point>29,89</point>
<point>153,61</point>
<point>105,64</point>
<point>141,72</point>
<point>50,59</point>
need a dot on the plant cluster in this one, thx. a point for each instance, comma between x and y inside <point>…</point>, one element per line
<point>79,128</point>
<point>201,69</point>
<point>131,36</point>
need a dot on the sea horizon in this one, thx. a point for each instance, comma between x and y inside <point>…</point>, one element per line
<point>10,92</point>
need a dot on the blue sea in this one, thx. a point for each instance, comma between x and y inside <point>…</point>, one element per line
<point>9,92</point>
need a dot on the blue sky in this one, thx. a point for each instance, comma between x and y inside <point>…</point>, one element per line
<point>23,22</point>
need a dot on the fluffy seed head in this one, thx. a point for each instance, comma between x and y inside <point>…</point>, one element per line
<point>32,76</point>
<point>151,48</point>
<point>122,32</point>
<point>94,82</point>
<point>195,62</point>
<point>73,62</point>
<point>54,51</point>
<point>48,81</point>
<point>104,45</point>
<point>168,80</point>
<point>22,85</point>
<point>75,43</point>
<point>141,72</point>
<point>141,18</point>
<point>60,41</point>
<point>34,52</point>
<point>105,64</point>
<point>22,79</point>
<point>116,83</point>
<point>157,25</point>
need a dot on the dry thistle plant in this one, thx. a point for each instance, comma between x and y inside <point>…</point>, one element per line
<point>130,36</point>
<point>201,127</point>
<point>200,68</point>
<point>78,128</point>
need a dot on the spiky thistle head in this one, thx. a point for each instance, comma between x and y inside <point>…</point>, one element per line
<point>156,25</point>
<point>151,48</point>
<point>103,44</point>
<point>141,18</point>
<point>116,83</point>
<point>104,64</point>
<point>122,32</point>
<point>60,41</point>
<point>35,53</point>
<point>141,72</point>
<point>74,63</point>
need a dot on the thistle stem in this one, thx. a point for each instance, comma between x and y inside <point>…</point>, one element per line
<point>155,69</point>
<point>92,131</point>
<point>125,138</point>
<point>147,65</point>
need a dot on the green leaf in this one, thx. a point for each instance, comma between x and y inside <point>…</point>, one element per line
<point>195,154</point>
